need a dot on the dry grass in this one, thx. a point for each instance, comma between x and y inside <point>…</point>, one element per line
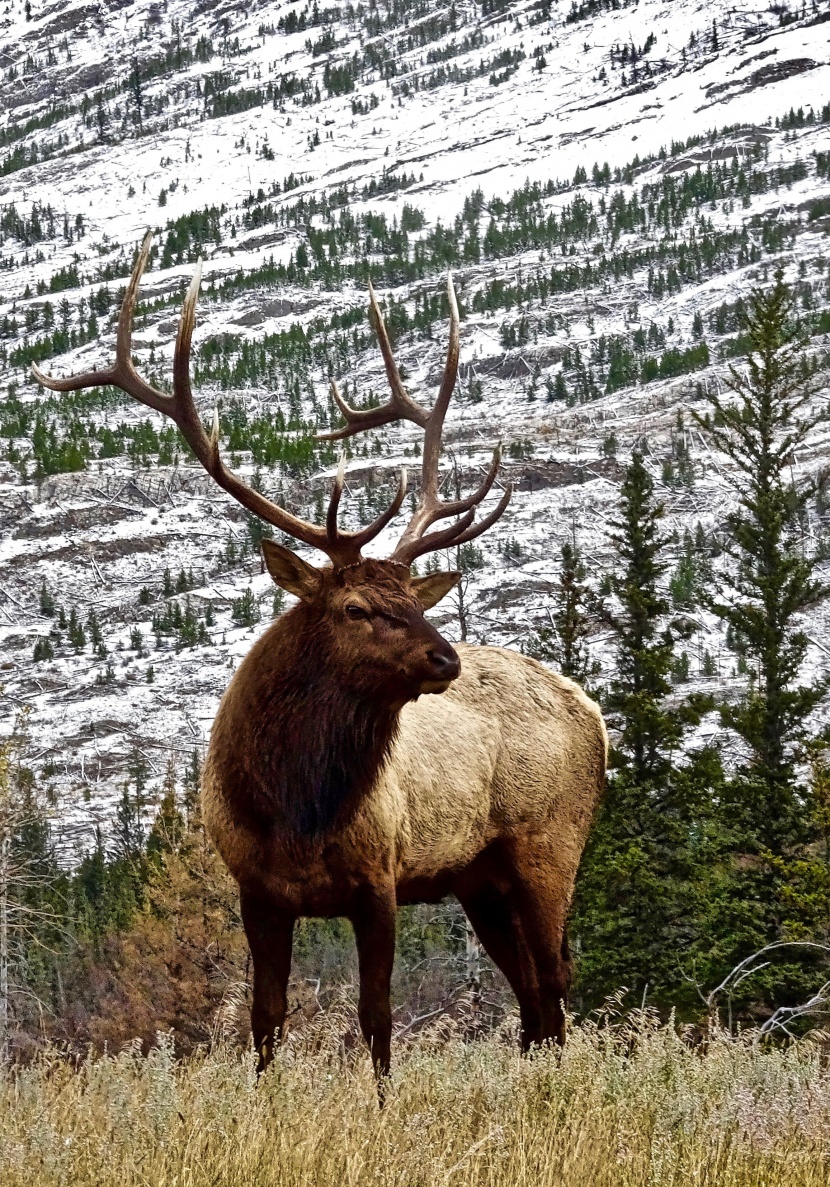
<point>626,1104</point>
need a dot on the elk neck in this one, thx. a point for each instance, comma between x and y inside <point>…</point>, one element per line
<point>315,746</point>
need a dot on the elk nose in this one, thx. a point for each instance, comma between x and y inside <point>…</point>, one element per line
<point>445,662</point>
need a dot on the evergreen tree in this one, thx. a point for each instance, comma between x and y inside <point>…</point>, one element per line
<point>564,642</point>
<point>168,826</point>
<point>103,893</point>
<point>782,884</point>
<point>192,786</point>
<point>136,87</point>
<point>570,618</point>
<point>637,910</point>
<point>245,609</point>
<point>47,600</point>
<point>645,647</point>
<point>771,579</point>
<point>127,870</point>
<point>30,919</point>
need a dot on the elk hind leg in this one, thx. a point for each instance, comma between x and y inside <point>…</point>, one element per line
<point>542,903</point>
<point>269,931</point>
<point>491,912</point>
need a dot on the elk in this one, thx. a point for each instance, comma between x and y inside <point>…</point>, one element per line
<point>333,785</point>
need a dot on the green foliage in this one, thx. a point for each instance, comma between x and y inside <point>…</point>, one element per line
<point>469,557</point>
<point>649,732</point>
<point>43,650</point>
<point>681,862</point>
<point>77,634</point>
<point>771,578</point>
<point>687,871</point>
<point>191,236</point>
<point>168,829</point>
<point>183,623</point>
<point>565,641</point>
<point>340,79</point>
<point>47,600</point>
<point>245,609</point>
<point>691,580</point>
<point>642,886</point>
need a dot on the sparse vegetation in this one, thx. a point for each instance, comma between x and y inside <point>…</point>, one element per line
<point>628,1103</point>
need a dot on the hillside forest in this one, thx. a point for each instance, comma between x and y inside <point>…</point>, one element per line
<point>693,866</point>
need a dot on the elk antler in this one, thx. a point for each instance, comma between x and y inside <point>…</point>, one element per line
<point>343,548</point>
<point>413,543</point>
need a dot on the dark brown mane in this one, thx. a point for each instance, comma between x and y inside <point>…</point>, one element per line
<point>319,745</point>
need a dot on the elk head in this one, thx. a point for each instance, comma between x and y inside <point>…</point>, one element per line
<point>371,611</point>
<point>368,620</point>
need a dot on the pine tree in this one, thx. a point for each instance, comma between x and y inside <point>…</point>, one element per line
<point>570,618</point>
<point>77,635</point>
<point>29,920</point>
<point>47,600</point>
<point>645,647</point>
<point>192,786</point>
<point>771,578</point>
<point>564,642</point>
<point>168,826</point>
<point>245,609</point>
<point>128,833</point>
<point>637,905</point>
<point>136,87</point>
<point>781,888</point>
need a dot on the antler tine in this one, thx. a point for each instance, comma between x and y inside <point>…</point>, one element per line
<point>122,374</point>
<point>186,414</point>
<point>457,533</point>
<point>414,543</point>
<point>124,337</point>
<point>342,547</point>
<point>368,533</point>
<point>334,501</point>
<point>480,494</point>
<point>417,545</point>
<point>435,425</point>
<point>401,398</point>
<point>359,420</point>
<point>400,405</point>
<point>428,511</point>
<point>430,508</point>
<point>477,528</point>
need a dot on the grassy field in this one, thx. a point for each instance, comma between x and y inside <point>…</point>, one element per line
<point>626,1104</point>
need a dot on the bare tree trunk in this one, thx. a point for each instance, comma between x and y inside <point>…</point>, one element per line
<point>462,609</point>
<point>473,960</point>
<point>459,590</point>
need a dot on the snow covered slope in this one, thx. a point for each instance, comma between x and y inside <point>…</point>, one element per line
<point>605,180</point>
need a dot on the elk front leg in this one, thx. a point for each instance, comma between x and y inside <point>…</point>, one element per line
<point>269,931</point>
<point>373,919</point>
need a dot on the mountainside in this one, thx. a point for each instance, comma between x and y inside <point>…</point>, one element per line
<point>605,181</point>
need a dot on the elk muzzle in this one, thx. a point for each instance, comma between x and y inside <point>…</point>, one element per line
<point>443,666</point>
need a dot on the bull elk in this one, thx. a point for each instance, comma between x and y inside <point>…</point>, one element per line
<point>333,786</point>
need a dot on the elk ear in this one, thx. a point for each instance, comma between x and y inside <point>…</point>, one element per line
<point>290,572</point>
<point>430,590</point>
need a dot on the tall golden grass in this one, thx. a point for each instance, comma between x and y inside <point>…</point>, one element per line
<point>631,1103</point>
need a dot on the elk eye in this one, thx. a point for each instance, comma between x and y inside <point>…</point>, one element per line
<point>356,612</point>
